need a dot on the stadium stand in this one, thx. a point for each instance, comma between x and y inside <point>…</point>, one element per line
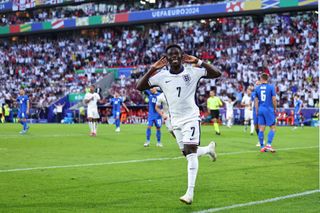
<point>282,45</point>
<point>89,9</point>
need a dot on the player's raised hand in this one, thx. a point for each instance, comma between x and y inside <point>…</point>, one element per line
<point>190,59</point>
<point>160,63</point>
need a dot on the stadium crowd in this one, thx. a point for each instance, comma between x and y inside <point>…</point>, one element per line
<point>90,9</point>
<point>284,46</point>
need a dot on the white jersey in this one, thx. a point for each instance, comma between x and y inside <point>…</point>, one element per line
<point>92,105</point>
<point>229,106</point>
<point>247,101</point>
<point>161,101</point>
<point>179,90</point>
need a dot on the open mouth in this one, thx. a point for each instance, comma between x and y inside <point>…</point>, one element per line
<point>175,61</point>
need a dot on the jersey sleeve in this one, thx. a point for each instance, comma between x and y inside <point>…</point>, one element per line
<point>199,72</point>
<point>155,80</point>
<point>98,96</point>
<point>147,92</point>
<point>159,100</point>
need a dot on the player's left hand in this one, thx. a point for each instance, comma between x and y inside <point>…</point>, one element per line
<point>190,59</point>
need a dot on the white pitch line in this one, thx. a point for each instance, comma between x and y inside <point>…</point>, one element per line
<point>260,201</point>
<point>134,161</point>
<point>41,136</point>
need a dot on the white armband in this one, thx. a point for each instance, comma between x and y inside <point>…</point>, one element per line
<point>199,63</point>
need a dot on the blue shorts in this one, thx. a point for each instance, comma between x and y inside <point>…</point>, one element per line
<point>157,122</point>
<point>255,117</point>
<point>22,115</point>
<point>116,114</point>
<point>266,117</point>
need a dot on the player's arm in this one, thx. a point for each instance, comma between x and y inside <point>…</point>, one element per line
<point>250,105</point>
<point>212,71</point>
<point>28,106</point>
<point>300,107</point>
<point>256,104</point>
<point>87,100</point>
<point>274,102</point>
<point>208,105</point>
<point>143,82</point>
<point>274,98</point>
<point>242,102</point>
<point>220,102</point>
<point>160,112</point>
<point>125,106</point>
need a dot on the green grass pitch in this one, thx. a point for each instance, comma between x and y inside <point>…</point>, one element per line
<point>113,172</point>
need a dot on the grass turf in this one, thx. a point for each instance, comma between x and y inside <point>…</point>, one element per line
<point>113,182</point>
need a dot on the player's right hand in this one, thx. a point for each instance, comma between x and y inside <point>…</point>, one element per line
<point>160,63</point>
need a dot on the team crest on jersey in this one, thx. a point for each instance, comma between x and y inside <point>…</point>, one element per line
<point>187,78</point>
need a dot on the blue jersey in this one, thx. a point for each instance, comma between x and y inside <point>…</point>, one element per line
<point>116,104</point>
<point>152,113</point>
<point>297,105</point>
<point>23,103</point>
<point>264,93</point>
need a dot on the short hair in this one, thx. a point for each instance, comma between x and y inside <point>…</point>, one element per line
<point>173,46</point>
<point>265,76</point>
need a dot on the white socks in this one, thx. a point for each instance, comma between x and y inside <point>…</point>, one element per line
<point>202,150</point>
<point>193,165</point>
<point>229,123</point>
<point>251,127</point>
<point>93,126</point>
<point>90,126</point>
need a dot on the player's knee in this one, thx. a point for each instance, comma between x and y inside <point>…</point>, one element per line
<point>188,149</point>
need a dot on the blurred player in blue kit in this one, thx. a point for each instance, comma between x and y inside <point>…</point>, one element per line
<point>116,103</point>
<point>153,116</point>
<point>266,105</point>
<point>24,107</point>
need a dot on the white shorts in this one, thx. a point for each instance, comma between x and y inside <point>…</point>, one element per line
<point>188,133</point>
<point>93,113</point>
<point>248,114</point>
<point>229,114</point>
<point>168,125</point>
